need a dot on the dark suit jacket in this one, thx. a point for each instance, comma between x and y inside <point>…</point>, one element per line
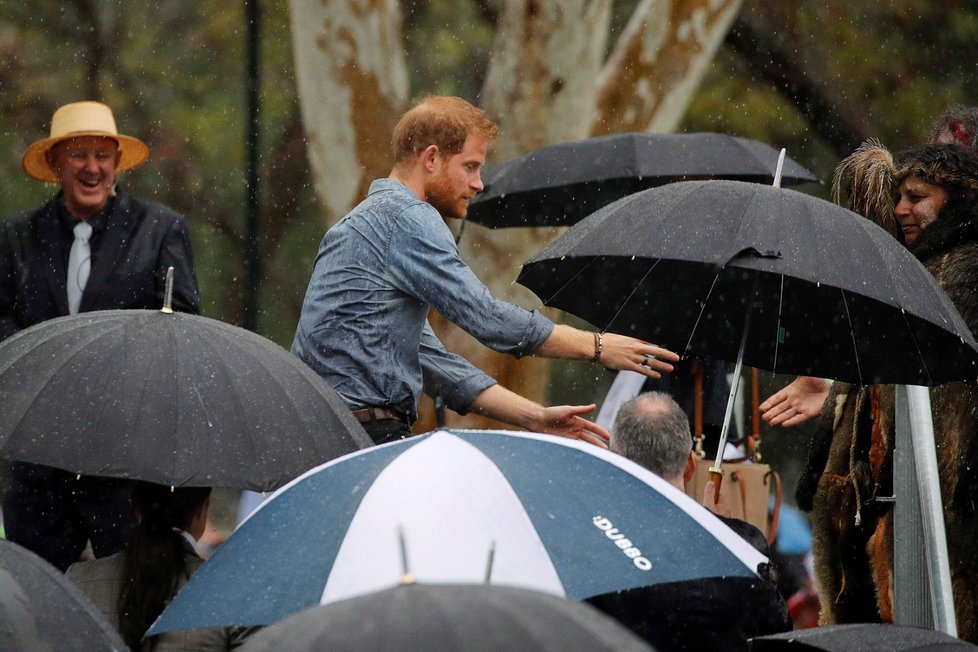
<point>141,239</point>
<point>719,614</point>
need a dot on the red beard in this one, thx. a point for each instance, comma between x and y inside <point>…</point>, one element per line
<point>440,194</point>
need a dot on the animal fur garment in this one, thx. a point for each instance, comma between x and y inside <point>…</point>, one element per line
<point>868,176</point>
<point>850,457</point>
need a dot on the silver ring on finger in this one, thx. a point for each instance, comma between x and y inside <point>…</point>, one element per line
<point>646,358</point>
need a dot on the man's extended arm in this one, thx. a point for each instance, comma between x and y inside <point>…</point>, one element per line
<point>499,403</point>
<point>465,388</point>
<point>428,266</point>
<point>616,351</point>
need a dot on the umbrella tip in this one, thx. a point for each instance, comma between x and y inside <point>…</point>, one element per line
<point>406,576</point>
<point>777,173</point>
<point>492,556</point>
<point>168,292</point>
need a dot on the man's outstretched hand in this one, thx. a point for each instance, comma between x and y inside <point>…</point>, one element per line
<point>567,421</point>
<point>501,404</point>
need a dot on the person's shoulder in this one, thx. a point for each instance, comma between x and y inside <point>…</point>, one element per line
<point>95,569</point>
<point>747,532</point>
<point>142,206</point>
<point>17,221</point>
<point>23,219</point>
<point>407,215</point>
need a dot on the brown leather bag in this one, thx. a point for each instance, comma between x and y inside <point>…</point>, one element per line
<point>746,486</point>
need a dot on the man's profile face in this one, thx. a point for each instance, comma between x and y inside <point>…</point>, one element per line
<point>458,178</point>
<point>85,167</point>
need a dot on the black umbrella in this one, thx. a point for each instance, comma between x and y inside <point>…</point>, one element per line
<point>769,277</point>
<point>821,290</point>
<point>172,398</point>
<point>557,185</point>
<point>448,617</point>
<point>40,609</point>
<point>716,613</point>
<point>868,637</point>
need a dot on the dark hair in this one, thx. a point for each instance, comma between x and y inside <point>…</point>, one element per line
<point>154,557</point>
<point>960,122</point>
<point>952,166</point>
<point>442,121</point>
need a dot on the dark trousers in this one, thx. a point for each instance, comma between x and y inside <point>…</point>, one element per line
<point>386,430</point>
<point>55,513</point>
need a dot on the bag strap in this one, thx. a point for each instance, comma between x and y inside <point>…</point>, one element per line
<point>696,367</point>
<point>772,530</point>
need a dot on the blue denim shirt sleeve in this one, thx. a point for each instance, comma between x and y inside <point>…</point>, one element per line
<point>363,325</point>
<point>449,375</point>
<point>426,264</point>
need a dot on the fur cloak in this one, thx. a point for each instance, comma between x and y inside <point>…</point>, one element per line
<point>849,469</point>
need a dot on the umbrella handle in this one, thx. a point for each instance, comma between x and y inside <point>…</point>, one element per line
<point>716,475</point>
<point>168,292</point>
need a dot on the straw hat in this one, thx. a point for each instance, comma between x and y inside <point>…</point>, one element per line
<point>82,119</point>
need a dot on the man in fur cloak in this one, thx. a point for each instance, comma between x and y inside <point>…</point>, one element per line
<point>929,200</point>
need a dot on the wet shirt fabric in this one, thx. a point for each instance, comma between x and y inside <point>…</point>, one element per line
<point>364,326</point>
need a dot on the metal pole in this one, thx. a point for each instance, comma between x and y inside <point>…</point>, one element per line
<point>253,260</point>
<point>911,595</point>
<point>919,518</point>
<point>716,471</point>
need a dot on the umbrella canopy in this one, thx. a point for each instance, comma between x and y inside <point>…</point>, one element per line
<point>447,618</point>
<point>862,636</point>
<point>172,398</point>
<point>557,185</point>
<point>825,292</point>
<point>40,609</point>
<point>526,510</point>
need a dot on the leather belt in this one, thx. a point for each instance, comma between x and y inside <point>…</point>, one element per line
<point>377,413</point>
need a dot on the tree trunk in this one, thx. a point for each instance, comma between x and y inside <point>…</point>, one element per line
<point>352,83</point>
<point>659,62</point>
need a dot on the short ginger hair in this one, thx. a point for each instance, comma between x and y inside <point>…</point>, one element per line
<point>439,120</point>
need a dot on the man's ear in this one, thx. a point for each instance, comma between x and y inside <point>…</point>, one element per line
<point>690,467</point>
<point>429,157</point>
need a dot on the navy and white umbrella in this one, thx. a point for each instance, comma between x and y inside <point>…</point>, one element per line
<point>525,510</point>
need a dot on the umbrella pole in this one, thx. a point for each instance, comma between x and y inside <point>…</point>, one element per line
<point>716,471</point>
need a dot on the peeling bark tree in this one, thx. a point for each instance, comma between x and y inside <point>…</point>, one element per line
<point>548,81</point>
<point>352,82</point>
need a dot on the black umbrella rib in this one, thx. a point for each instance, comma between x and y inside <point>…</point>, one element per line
<point>916,346</point>
<point>548,301</point>
<point>706,301</point>
<point>852,335</point>
<point>634,289</point>
<point>777,339</point>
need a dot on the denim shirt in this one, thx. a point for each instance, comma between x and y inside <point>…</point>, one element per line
<point>364,322</point>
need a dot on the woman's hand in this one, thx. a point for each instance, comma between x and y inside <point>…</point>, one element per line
<point>797,402</point>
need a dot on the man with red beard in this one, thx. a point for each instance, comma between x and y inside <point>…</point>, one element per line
<point>91,247</point>
<point>364,323</point>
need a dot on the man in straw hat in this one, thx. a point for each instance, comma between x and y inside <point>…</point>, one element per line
<point>90,247</point>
